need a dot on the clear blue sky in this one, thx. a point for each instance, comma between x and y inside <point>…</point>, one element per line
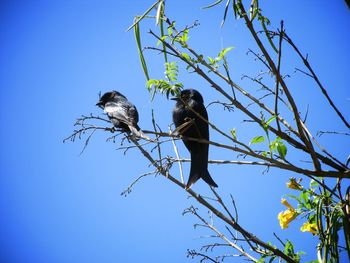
<point>56,56</point>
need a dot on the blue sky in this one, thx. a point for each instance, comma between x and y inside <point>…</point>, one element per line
<point>56,56</point>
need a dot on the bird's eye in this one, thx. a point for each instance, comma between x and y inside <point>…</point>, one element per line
<point>185,97</point>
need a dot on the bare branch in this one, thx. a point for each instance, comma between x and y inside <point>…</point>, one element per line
<point>177,156</point>
<point>320,133</point>
<point>278,73</point>
<point>314,76</point>
<point>283,135</point>
<point>129,188</point>
<point>222,236</point>
<point>229,162</point>
<point>202,201</point>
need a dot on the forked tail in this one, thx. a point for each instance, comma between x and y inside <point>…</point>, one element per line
<point>199,169</point>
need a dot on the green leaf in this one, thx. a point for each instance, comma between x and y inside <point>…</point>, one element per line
<point>265,21</point>
<point>168,85</point>
<point>213,4</point>
<point>171,71</point>
<point>163,36</point>
<point>225,12</point>
<point>159,15</point>
<point>223,53</point>
<point>282,149</point>
<point>265,125</point>
<point>186,56</point>
<point>170,28</point>
<point>237,9</point>
<point>254,9</point>
<point>211,61</point>
<point>270,120</point>
<point>289,248</point>
<point>185,36</point>
<point>312,219</point>
<point>136,22</point>
<point>279,146</point>
<point>139,48</point>
<point>305,196</point>
<point>150,83</point>
<point>256,140</point>
<point>233,133</point>
<point>273,146</point>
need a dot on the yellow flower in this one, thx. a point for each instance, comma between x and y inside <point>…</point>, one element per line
<point>293,184</point>
<point>287,216</point>
<point>285,202</point>
<point>312,228</point>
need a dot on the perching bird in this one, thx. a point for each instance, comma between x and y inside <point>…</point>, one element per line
<point>188,101</point>
<point>122,113</point>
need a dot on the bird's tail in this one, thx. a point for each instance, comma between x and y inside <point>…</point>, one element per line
<point>199,169</point>
<point>136,131</point>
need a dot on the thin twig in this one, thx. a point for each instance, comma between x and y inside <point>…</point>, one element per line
<point>320,133</point>
<point>222,203</point>
<point>177,156</point>
<point>314,76</point>
<point>283,135</point>
<point>321,148</point>
<point>129,188</point>
<point>263,86</point>
<point>227,80</point>
<point>279,164</point>
<point>278,72</point>
<point>202,201</point>
<point>222,236</point>
<point>274,162</point>
<point>158,144</point>
<point>302,135</point>
<point>183,160</point>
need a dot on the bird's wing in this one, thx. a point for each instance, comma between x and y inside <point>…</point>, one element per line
<point>126,113</point>
<point>133,115</point>
<point>117,111</point>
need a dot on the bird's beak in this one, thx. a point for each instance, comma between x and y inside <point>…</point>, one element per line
<point>175,98</point>
<point>99,104</point>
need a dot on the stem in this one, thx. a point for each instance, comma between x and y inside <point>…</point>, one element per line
<point>220,215</point>
<point>314,76</point>
<point>238,105</point>
<point>278,70</point>
<point>272,65</point>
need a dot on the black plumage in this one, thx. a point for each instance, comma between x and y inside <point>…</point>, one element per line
<point>121,112</point>
<point>188,103</point>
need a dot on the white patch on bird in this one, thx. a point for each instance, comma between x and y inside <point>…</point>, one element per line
<point>117,111</point>
<point>112,107</point>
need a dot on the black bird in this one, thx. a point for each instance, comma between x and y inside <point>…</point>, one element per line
<point>122,113</point>
<point>187,103</point>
